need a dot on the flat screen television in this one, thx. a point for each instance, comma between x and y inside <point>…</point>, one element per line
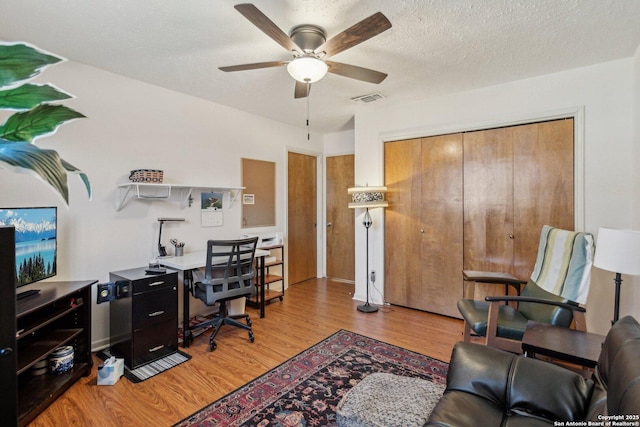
<point>36,242</point>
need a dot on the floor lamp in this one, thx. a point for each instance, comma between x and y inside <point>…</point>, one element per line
<point>368,198</point>
<point>618,251</point>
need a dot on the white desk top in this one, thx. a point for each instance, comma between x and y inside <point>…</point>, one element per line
<point>194,260</point>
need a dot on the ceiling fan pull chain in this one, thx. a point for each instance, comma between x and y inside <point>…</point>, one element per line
<point>308,96</point>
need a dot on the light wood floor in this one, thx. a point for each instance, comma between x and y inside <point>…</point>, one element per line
<point>310,312</point>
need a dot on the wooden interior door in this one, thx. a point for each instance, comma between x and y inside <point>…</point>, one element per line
<point>441,229</point>
<point>402,241</point>
<point>301,217</point>
<point>340,224</point>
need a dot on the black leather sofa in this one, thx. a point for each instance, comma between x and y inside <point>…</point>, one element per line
<point>489,387</point>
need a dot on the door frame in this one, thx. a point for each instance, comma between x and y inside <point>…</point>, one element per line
<point>320,203</point>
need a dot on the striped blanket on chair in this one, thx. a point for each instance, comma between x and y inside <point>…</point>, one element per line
<point>563,265</point>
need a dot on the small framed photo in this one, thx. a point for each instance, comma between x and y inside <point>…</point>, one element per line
<point>248,199</point>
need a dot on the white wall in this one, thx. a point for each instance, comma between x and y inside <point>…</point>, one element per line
<point>602,92</point>
<point>133,125</point>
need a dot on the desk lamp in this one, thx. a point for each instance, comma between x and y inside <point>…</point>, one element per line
<point>618,251</point>
<point>162,251</point>
<point>369,198</point>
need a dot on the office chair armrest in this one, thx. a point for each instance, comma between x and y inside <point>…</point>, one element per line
<point>508,298</point>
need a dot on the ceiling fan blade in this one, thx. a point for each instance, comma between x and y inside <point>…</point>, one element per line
<point>254,66</point>
<point>354,72</point>
<point>362,31</point>
<point>302,90</point>
<point>267,26</point>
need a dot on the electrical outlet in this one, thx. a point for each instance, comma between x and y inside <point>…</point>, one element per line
<point>373,276</point>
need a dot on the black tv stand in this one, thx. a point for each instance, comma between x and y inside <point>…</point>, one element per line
<point>25,294</point>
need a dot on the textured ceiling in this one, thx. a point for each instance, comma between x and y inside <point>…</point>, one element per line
<point>434,46</point>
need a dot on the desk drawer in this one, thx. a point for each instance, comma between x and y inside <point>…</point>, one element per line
<point>154,342</point>
<point>154,283</point>
<point>155,307</point>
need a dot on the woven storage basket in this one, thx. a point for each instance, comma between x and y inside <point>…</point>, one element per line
<point>146,175</point>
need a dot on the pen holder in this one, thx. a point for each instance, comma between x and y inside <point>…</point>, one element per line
<point>179,250</point>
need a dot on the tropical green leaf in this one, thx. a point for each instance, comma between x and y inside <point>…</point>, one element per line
<point>42,120</point>
<point>20,61</point>
<point>30,95</point>
<point>46,164</point>
<point>83,176</point>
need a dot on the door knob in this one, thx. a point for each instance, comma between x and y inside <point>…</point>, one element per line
<point>329,224</point>
<point>511,236</point>
<point>421,230</point>
<point>5,351</point>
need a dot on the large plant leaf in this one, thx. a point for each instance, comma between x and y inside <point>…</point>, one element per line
<point>42,120</point>
<point>20,61</point>
<point>46,164</point>
<point>30,95</point>
<point>83,176</point>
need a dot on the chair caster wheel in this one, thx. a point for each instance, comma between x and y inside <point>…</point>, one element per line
<point>212,346</point>
<point>248,322</point>
<point>251,337</point>
<point>281,298</point>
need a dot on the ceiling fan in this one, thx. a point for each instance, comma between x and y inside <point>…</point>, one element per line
<point>310,48</point>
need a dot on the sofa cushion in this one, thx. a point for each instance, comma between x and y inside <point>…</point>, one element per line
<point>541,389</point>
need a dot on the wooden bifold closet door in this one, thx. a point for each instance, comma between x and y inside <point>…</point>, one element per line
<point>474,200</point>
<point>423,226</point>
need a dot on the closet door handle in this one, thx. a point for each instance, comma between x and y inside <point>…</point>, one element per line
<point>511,236</point>
<point>422,230</point>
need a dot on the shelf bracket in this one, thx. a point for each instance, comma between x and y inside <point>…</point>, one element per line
<point>186,197</point>
<point>123,198</point>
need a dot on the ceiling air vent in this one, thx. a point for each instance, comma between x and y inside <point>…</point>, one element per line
<point>368,98</point>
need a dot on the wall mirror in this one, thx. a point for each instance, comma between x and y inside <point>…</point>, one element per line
<point>259,196</point>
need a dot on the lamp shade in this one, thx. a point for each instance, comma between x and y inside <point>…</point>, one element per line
<point>618,251</point>
<point>367,197</point>
<point>307,69</point>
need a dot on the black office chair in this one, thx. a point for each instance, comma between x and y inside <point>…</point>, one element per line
<point>229,275</point>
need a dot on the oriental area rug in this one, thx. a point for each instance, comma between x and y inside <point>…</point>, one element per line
<point>305,390</point>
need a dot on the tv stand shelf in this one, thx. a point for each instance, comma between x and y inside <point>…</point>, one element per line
<point>149,191</point>
<point>59,315</point>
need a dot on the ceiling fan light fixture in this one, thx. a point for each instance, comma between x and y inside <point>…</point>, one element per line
<point>307,69</point>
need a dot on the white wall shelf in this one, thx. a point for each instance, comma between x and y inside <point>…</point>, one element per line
<point>149,191</point>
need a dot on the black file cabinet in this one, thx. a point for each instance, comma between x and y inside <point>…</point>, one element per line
<point>144,317</point>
